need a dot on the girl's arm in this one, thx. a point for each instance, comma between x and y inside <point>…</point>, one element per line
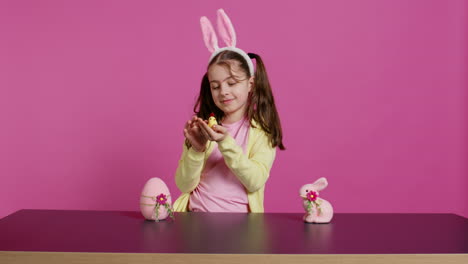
<point>252,171</point>
<point>189,169</point>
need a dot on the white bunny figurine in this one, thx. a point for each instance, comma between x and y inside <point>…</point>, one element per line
<point>317,209</point>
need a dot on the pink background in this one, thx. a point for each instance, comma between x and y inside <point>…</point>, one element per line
<point>372,95</point>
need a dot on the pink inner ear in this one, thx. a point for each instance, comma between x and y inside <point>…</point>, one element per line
<point>209,35</point>
<point>320,184</point>
<point>226,29</point>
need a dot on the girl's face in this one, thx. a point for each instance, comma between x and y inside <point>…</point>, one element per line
<point>229,95</point>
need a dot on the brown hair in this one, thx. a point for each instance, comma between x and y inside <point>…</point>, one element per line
<point>261,105</point>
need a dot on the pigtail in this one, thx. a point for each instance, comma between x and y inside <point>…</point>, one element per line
<point>262,106</point>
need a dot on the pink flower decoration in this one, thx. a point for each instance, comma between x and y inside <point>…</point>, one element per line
<point>311,196</point>
<point>161,199</point>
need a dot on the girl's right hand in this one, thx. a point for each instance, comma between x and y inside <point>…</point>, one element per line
<point>194,135</point>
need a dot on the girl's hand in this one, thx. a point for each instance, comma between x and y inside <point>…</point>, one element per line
<point>194,135</point>
<point>217,133</point>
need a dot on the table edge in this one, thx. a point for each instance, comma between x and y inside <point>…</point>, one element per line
<point>150,258</point>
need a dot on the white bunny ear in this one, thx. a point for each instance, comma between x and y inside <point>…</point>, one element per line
<point>225,29</point>
<point>320,184</point>
<point>209,35</point>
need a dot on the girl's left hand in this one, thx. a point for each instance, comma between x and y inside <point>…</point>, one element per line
<point>217,133</point>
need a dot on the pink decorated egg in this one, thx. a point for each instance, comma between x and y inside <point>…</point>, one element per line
<point>155,194</point>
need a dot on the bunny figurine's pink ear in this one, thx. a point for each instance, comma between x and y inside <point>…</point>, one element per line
<point>225,29</point>
<point>320,184</point>
<point>209,35</point>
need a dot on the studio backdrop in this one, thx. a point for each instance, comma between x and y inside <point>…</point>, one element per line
<point>371,94</point>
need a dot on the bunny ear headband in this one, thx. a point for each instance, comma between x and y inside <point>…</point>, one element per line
<point>227,33</point>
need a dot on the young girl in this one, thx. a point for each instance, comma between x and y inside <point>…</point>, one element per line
<point>224,168</point>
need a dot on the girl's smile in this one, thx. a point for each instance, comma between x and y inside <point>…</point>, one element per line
<point>227,101</point>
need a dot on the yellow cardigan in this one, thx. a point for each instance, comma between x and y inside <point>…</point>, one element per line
<point>252,169</point>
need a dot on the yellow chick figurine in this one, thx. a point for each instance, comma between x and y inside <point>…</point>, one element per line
<point>212,120</point>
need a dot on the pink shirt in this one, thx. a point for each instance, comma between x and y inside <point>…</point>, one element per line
<point>219,189</point>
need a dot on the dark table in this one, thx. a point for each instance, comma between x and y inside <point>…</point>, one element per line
<point>74,236</point>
